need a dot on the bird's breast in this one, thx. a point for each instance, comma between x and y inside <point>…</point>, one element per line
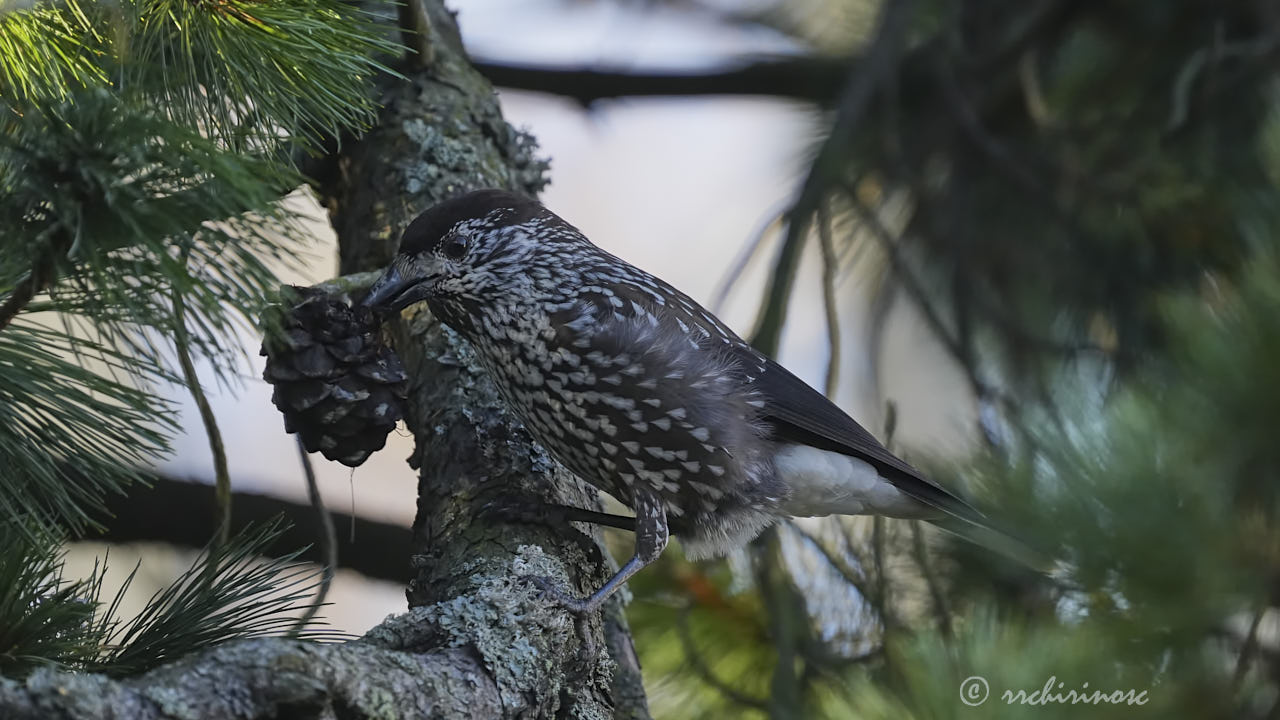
<point>632,401</point>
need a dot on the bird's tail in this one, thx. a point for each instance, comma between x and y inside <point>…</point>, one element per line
<point>958,517</point>
<point>978,529</point>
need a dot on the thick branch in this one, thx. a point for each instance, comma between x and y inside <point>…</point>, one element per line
<point>270,679</point>
<point>438,135</point>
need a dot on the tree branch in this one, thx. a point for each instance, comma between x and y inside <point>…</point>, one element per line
<point>271,678</point>
<point>221,475</point>
<point>864,79</point>
<point>381,550</point>
<point>831,312</point>
<point>30,286</point>
<point>817,79</point>
<point>17,300</point>
<point>941,608</point>
<point>439,134</point>
<point>328,539</point>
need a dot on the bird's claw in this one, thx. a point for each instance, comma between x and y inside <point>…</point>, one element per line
<point>578,607</point>
<point>547,590</point>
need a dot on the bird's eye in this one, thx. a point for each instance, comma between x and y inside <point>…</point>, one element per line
<point>455,247</point>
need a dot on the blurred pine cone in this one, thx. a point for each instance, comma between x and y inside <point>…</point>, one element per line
<point>340,388</point>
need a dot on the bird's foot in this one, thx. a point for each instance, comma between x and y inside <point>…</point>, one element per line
<point>580,608</point>
<point>547,590</point>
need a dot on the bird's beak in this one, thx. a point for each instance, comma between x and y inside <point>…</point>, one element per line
<point>394,291</point>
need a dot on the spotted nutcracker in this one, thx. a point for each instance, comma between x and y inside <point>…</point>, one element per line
<point>638,389</point>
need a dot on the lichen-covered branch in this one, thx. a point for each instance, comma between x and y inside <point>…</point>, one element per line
<point>439,134</point>
<point>270,678</point>
<point>464,658</point>
<point>440,131</point>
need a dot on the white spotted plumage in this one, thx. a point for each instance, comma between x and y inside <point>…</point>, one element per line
<point>639,390</point>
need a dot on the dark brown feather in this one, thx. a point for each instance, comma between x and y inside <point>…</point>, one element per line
<point>793,411</point>
<point>798,413</point>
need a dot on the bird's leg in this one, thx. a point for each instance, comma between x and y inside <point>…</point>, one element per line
<point>651,539</point>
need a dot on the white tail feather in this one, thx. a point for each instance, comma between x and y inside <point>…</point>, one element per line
<point>828,483</point>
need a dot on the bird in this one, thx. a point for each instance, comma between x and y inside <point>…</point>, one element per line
<point>639,390</point>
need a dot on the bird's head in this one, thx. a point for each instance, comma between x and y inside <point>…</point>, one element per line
<point>465,249</point>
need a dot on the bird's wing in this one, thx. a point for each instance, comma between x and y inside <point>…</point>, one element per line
<point>800,414</point>
<point>795,411</point>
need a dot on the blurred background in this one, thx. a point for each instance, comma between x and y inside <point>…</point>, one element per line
<point>1030,244</point>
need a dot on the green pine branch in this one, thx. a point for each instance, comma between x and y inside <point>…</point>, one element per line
<point>70,435</point>
<point>230,592</point>
<point>104,233</point>
<point>247,74</point>
<point>145,147</point>
<point>50,50</point>
<point>44,619</point>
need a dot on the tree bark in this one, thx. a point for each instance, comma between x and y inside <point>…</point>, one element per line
<point>478,641</point>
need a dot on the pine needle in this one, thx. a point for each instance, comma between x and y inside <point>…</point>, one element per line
<point>229,593</point>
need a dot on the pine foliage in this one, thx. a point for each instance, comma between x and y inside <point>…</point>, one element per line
<point>145,148</point>
<point>227,594</point>
<point>44,619</point>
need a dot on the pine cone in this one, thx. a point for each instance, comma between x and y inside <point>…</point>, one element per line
<point>340,388</point>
